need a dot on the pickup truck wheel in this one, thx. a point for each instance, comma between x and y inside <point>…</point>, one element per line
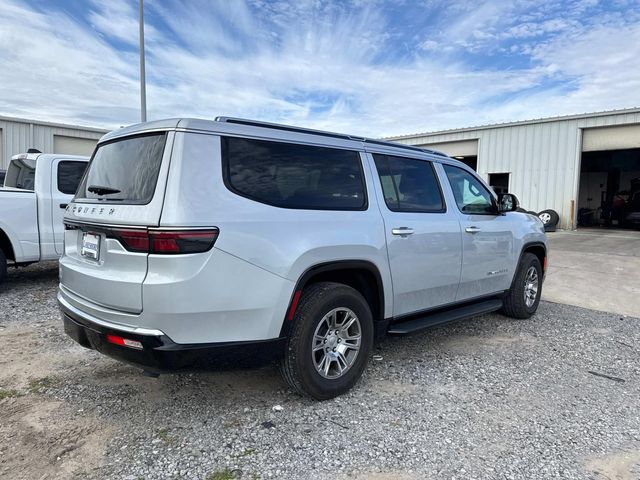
<point>3,266</point>
<point>330,342</point>
<point>523,298</point>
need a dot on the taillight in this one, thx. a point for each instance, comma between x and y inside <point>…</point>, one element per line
<point>165,242</point>
<point>183,241</point>
<point>132,240</point>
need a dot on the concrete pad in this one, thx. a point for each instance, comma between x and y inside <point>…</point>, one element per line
<point>595,268</point>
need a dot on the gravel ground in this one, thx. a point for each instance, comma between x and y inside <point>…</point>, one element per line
<point>556,396</point>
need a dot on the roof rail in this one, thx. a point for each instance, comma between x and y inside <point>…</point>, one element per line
<point>289,128</point>
<point>406,147</point>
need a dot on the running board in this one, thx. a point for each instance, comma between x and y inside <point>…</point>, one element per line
<point>440,317</point>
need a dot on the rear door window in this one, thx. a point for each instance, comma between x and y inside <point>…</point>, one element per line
<point>294,176</point>
<point>409,185</point>
<point>124,171</point>
<point>69,176</point>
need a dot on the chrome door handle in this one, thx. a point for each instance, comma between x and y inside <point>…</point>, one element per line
<point>472,229</point>
<point>402,231</point>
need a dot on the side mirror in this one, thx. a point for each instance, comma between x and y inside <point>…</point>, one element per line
<point>507,202</point>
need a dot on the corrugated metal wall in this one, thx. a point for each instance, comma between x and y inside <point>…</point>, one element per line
<point>17,137</point>
<point>542,157</point>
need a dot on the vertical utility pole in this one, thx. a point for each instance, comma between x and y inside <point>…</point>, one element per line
<point>143,88</point>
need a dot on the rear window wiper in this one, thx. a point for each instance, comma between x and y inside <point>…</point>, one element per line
<point>99,190</point>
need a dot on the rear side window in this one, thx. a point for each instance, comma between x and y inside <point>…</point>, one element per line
<point>69,176</point>
<point>125,170</point>
<point>294,176</point>
<point>409,185</point>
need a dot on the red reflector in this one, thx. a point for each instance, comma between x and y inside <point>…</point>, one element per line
<point>544,265</point>
<point>294,305</point>
<point>124,342</point>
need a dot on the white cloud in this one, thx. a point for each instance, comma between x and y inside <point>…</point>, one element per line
<point>307,63</point>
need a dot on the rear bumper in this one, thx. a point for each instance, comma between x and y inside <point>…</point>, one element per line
<point>160,354</point>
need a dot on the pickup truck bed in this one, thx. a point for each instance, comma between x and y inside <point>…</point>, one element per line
<point>37,189</point>
<point>19,210</point>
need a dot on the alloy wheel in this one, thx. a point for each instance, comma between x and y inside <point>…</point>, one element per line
<point>545,217</point>
<point>336,342</point>
<point>531,286</point>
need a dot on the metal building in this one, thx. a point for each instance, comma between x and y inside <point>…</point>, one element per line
<point>586,167</point>
<point>17,135</point>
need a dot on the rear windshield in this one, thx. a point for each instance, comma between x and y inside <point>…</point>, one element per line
<point>124,171</point>
<point>21,174</point>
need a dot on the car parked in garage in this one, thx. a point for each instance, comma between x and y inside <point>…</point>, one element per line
<point>37,189</point>
<point>191,241</point>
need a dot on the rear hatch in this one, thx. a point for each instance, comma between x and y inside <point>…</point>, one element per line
<point>106,226</point>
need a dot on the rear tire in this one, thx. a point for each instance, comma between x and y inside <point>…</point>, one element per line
<point>322,361</point>
<point>3,266</point>
<point>520,301</point>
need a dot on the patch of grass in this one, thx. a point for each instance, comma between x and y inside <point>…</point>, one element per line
<point>8,394</point>
<point>40,384</point>
<point>246,452</point>
<point>163,434</point>
<point>233,424</point>
<point>226,474</point>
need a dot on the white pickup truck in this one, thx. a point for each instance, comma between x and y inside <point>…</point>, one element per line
<point>37,189</point>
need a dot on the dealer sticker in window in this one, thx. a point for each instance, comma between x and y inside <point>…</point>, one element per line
<point>90,245</point>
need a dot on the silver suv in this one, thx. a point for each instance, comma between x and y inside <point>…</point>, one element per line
<point>194,243</point>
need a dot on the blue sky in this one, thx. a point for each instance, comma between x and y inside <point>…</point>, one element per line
<point>366,67</point>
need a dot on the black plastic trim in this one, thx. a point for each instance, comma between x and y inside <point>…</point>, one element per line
<point>160,354</point>
<point>446,306</point>
<point>523,251</point>
<point>457,312</point>
<point>330,267</point>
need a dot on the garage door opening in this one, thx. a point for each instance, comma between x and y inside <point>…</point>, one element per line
<point>464,150</point>
<point>470,161</point>
<point>73,145</point>
<point>609,193</point>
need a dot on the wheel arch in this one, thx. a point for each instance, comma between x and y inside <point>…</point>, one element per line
<point>6,246</point>
<point>362,275</point>
<point>539,249</point>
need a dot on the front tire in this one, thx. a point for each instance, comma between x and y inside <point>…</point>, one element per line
<point>330,342</point>
<point>523,298</point>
